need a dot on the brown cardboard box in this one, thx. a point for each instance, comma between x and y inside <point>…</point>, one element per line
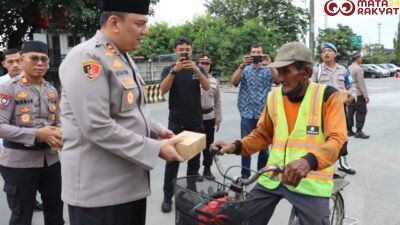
<point>345,95</point>
<point>193,143</point>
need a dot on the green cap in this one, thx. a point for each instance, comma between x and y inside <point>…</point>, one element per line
<point>290,53</point>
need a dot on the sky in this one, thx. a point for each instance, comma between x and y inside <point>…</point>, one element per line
<point>179,11</point>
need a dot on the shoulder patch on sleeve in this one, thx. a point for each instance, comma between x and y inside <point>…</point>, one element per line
<point>329,90</point>
<point>91,69</point>
<point>5,100</point>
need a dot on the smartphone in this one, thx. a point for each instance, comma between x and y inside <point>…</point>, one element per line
<point>257,58</point>
<point>184,55</point>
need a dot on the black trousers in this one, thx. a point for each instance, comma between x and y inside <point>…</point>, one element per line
<point>209,130</point>
<point>358,108</point>
<point>310,210</point>
<point>132,213</point>
<point>21,186</point>
<point>171,168</point>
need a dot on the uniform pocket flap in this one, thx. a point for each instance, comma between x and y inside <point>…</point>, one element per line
<point>127,82</point>
<point>10,189</point>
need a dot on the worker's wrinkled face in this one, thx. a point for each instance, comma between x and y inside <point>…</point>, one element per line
<point>291,77</point>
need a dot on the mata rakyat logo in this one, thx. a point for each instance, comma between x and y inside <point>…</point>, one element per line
<point>361,7</point>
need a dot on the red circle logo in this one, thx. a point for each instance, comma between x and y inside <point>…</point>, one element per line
<point>347,8</point>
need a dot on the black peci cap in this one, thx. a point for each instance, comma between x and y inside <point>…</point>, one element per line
<point>34,46</point>
<point>127,6</point>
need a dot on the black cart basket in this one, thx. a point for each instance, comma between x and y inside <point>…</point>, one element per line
<point>207,202</point>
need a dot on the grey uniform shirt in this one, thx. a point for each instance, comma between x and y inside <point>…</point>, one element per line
<point>334,77</point>
<point>357,74</point>
<point>22,111</point>
<point>107,130</point>
<point>212,99</point>
<point>3,80</point>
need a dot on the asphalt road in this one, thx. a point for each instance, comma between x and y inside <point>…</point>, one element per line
<point>372,198</point>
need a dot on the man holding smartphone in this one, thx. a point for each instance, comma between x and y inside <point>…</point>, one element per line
<point>255,82</point>
<point>183,80</point>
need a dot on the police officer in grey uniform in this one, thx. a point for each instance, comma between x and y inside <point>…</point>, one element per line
<point>211,109</point>
<point>29,116</point>
<point>109,136</point>
<point>337,76</point>
<point>359,108</point>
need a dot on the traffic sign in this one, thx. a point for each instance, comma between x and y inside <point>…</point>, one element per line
<point>356,41</point>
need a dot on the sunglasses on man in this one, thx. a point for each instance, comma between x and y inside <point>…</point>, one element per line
<point>205,63</point>
<point>35,59</point>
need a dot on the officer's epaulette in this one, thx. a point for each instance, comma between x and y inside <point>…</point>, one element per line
<point>98,44</point>
<point>46,82</point>
<point>109,49</point>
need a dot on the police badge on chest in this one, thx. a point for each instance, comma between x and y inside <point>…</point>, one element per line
<point>314,130</point>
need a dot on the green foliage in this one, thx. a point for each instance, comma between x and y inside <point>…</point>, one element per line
<point>156,42</point>
<point>340,37</point>
<point>377,54</point>
<point>289,21</point>
<point>18,17</point>
<point>212,36</point>
<point>397,46</point>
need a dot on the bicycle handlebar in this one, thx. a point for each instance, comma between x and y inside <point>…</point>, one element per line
<point>215,151</point>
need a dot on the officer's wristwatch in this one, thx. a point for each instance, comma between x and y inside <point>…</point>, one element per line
<point>172,71</point>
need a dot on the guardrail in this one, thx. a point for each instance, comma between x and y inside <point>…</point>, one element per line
<point>153,93</point>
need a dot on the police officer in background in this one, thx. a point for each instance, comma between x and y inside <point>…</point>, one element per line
<point>12,63</point>
<point>211,109</point>
<point>359,108</point>
<point>335,75</point>
<point>110,140</point>
<point>29,116</point>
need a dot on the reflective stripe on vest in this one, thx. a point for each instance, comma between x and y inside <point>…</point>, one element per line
<point>307,136</point>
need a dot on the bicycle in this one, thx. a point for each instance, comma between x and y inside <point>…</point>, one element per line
<point>337,212</point>
<point>237,195</point>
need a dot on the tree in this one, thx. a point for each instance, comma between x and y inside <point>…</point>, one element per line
<point>211,35</point>
<point>289,21</point>
<point>340,37</point>
<point>397,45</point>
<point>157,42</point>
<point>378,54</point>
<point>21,18</point>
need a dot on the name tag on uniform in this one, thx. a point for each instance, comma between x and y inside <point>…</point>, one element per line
<point>314,130</point>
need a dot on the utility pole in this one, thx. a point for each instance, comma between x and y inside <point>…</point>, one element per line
<point>379,33</point>
<point>312,35</point>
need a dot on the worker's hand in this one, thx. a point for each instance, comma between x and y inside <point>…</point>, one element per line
<point>50,135</point>
<point>168,151</point>
<point>295,171</point>
<point>366,100</point>
<point>166,134</point>
<point>225,147</point>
